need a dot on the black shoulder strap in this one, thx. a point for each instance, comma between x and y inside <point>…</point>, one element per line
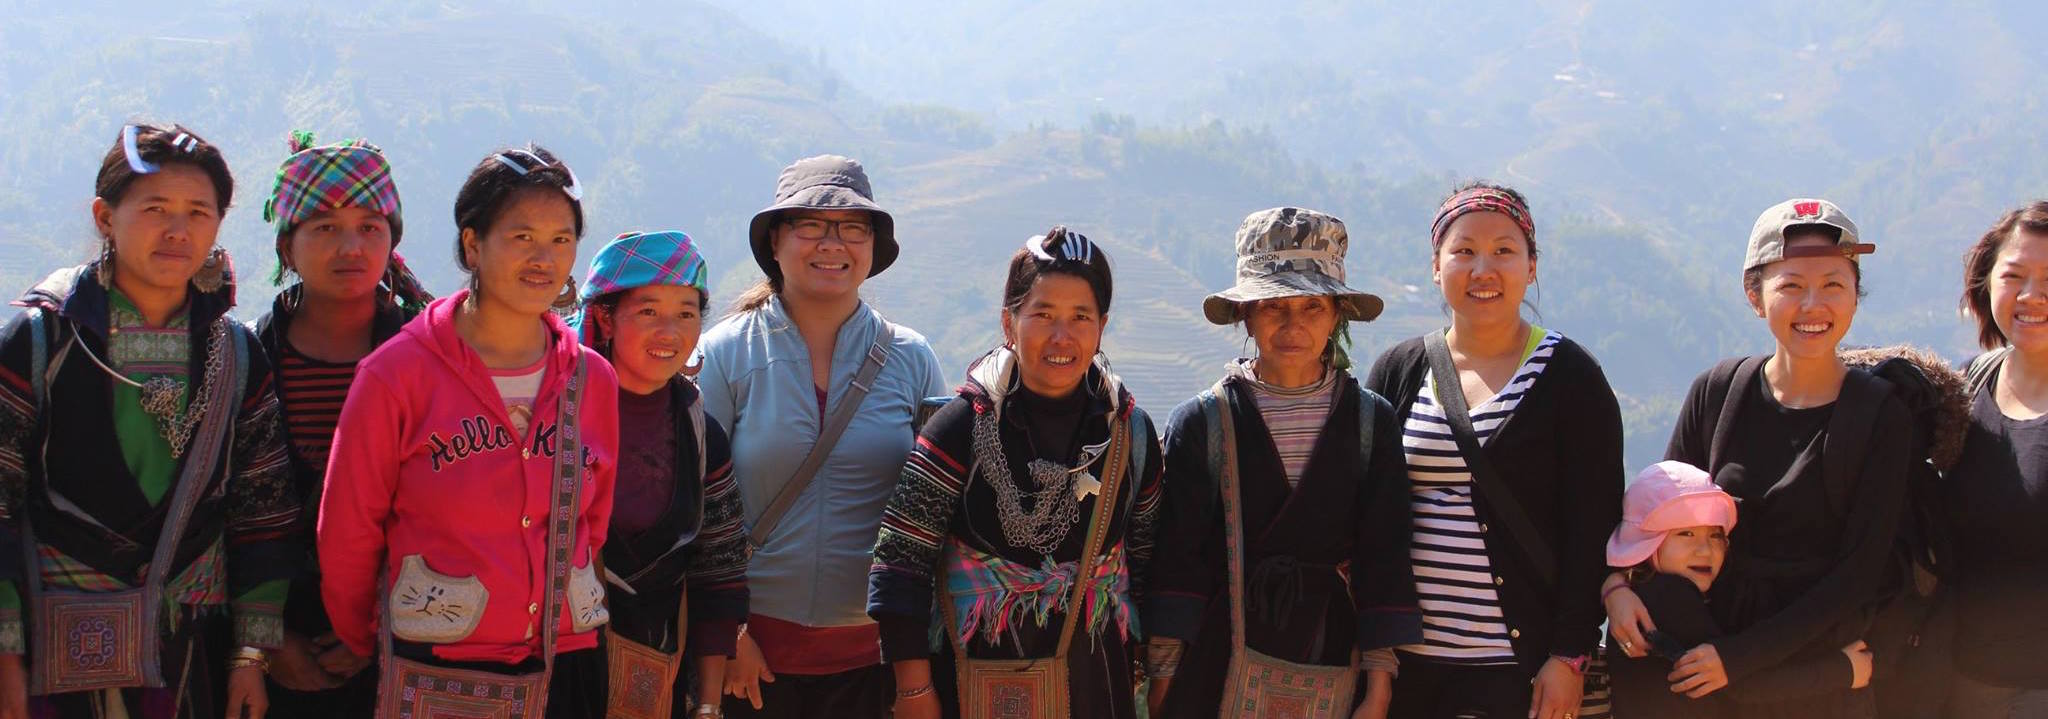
<point>1366,417</point>
<point>1849,434</point>
<point>1450,397</point>
<point>38,359</point>
<point>1732,378</point>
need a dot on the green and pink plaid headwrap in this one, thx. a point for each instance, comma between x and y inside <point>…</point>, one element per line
<point>640,259</point>
<point>1481,199</point>
<point>352,173</point>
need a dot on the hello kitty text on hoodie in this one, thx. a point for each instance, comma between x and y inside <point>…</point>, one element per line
<point>437,501</point>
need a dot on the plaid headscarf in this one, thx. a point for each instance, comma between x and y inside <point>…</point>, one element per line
<point>352,173</point>
<point>1481,199</point>
<point>641,259</point>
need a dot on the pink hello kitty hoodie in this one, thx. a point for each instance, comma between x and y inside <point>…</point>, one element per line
<point>436,503</point>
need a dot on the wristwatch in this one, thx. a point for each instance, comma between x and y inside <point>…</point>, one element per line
<point>1578,663</point>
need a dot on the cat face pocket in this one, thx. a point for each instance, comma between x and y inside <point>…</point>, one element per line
<point>586,599</point>
<point>434,608</point>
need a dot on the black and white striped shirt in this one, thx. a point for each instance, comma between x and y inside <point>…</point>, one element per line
<point>1462,620</point>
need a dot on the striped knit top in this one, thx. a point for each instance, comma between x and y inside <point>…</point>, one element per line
<point>1462,621</point>
<point>1294,416</point>
<point>311,392</point>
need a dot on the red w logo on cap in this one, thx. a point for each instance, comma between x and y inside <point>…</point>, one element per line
<point>1806,209</point>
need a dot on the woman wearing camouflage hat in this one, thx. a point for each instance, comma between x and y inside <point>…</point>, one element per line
<point>818,391</point>
<point>1817,454</point>
<point>1286,501</point>
<point>1513,444</point>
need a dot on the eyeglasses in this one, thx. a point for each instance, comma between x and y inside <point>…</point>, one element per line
<point>523,162</point>
<point>852,232</point>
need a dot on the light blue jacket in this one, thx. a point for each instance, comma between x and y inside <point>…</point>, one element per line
<point>813,570</point>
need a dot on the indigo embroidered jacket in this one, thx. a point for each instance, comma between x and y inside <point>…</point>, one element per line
<point>94,529</point>
<point>943,527</point>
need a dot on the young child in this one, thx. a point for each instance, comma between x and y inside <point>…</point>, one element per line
<point>1670,544</point>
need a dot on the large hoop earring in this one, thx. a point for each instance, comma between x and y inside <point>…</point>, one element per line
<point>565,302</point>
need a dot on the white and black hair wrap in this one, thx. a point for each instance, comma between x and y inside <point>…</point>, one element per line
<point>1059,251</point>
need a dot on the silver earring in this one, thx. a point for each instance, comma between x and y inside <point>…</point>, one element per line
<point>104,271</point>
<point>213,275</point>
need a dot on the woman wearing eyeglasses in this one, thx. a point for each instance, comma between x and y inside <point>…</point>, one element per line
<point>817,391</point>
<point>470,484</point>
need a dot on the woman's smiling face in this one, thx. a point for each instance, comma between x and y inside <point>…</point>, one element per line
<point>1484,267</point>
<point>1808,302</point>
<point>524,258</point>
<point>1055,332</point>
<point>653,330</point>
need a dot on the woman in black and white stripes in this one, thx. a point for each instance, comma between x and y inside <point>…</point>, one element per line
<point>1507,569</point>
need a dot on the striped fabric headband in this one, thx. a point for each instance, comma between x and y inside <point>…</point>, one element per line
<point>185,142</point>
<point>1480,199</point>
<point>512,159</point>
<point>1075,247</point>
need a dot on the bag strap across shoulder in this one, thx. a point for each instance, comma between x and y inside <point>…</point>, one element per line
<point>1486,480</point>
<point>1098,528</point>
<point>1222,432</point>
<point>835,425</point>
<point>1981,368</point>
<point>567,499</point>
<point>1733,377</point>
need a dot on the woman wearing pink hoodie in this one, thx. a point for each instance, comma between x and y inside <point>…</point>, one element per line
<point>443,552</point>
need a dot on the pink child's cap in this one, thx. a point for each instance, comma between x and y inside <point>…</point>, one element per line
<point>1667,495</point>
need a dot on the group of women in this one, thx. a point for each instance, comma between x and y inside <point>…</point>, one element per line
<point>544,497</point>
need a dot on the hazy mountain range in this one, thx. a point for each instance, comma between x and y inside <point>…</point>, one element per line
<point>1648,137</point>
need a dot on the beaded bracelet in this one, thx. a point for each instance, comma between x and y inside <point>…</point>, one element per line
<point>914,693</point>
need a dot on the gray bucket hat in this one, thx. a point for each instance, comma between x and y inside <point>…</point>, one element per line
<point>1291,252</point>
<point>823,182</point>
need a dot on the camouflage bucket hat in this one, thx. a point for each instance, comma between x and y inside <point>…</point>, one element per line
<point>1291,252</point>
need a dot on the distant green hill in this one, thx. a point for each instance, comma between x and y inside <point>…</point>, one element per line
<point>1647,139</point>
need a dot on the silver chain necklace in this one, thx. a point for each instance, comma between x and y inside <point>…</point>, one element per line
<point>1055,508</point>
<point>160,394</point>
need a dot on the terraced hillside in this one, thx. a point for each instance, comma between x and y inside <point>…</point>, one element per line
<point>960,218</point>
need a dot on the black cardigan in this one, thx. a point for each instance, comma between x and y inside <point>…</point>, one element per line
<point>1808,560</point>
<point>1339,512</point>
<point>1562,453</point>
